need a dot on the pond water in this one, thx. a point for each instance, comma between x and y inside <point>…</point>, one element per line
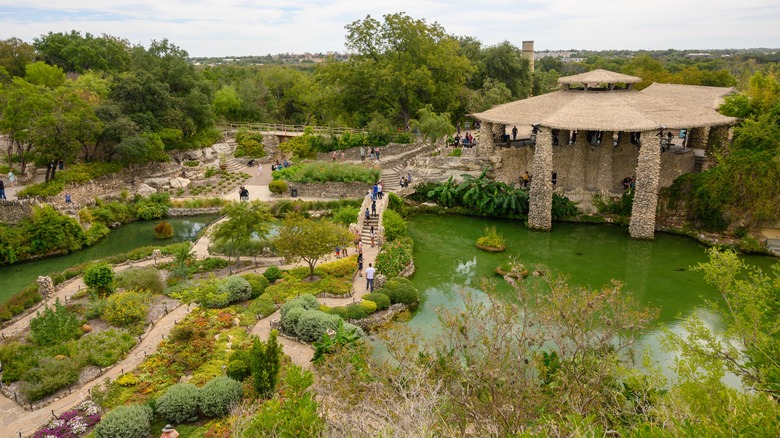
<point>656,272</point>
<point>123,239</point>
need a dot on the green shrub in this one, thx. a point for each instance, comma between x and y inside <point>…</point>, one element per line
<point>219,395</point>
<point>278,187</point>
<point>154,207</point>
<point>96,232</point>
<point>54,325</point>
<point>48,377</point>
<point>339,311</point>
<point>394,224</point>
<point>289,320</point>
<point>304,301</point>
<point>312,324</point>
<point>237,288</point>
<point>238,370</point>
<point>346,215</point>
<point>381,300</point>
<point>564,208</point>
<point>262,305</point>
<point>492,238</point>
<point>125,422</point>
<point>395,256</point>
<point>397,204</point>
<point>20,302</point>
<point>368,306</point>
<point>141,279</point>
<point>99,278</point>
<point>272,273</point>
<point>327,172</point>
<point>104,348</point>
<point>125,308</point>
<point>43,189</point>
<point>179,403</point>
<point>250,147</point>
<point>355,311</point>
<point>401,290</point>
<point>208,294</point>
<point>258,283</point>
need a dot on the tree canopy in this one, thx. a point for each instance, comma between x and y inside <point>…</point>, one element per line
<point>309,240</point>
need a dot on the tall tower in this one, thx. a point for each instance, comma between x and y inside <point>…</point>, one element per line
<point>528,52</point>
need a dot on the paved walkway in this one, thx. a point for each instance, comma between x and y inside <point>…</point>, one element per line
<point>14,420</point>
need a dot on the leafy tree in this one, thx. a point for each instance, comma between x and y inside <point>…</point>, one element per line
<point>402,64</point>
<point>40,73</point>
<point>245,220</point>
<point>15,54</point>
<point>265,362</point>
<point>309,239</point>
<point>73,52</point>
<point>432,126</point>
<point>25,105</point>
<point>99,279</point>
<point>227,103</point>
<point>506,64</point>
<point>749,308</point>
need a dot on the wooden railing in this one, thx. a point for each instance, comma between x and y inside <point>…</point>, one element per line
<point>280,127</point>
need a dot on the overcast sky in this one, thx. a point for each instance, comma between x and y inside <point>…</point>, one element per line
<point>254,27</point>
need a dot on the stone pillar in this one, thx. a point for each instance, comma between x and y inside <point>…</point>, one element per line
<point>696,138</point>
<point>45,286</point>
<point>485,146</point>
<point>604,180</point>
<point>716,143</point>
<point>648,172</point>
<point>540,202</point>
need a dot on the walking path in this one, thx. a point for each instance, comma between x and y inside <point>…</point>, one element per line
<point>15,421</point>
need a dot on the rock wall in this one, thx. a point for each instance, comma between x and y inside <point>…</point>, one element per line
<point>643,211</point>
<point>331,189</point>
<point>13,211</point>
<point>440,168</point>
<point>540,201</point>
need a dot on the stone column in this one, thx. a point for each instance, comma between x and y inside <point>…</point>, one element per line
<point>716,143</point>
<point>540,202</point>
<point>604,180</point>
<point>648,172</point>
<point>485,146</point>
<point>696,138</point>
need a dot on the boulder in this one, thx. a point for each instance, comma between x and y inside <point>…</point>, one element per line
<point>156,182</point>
<point>179,183</point>
<point>222,148</point>
<point>209,154</point>
<point>145,189</point>
<point>191,154</point>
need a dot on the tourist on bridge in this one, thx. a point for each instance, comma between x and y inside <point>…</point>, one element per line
<point>380,190</point>
<point>374,192</point>
<point>368,214</point>
<point>373,208</point>
<point>376,152</point>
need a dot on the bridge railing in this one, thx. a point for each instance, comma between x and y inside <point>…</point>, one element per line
<point>280,127</point>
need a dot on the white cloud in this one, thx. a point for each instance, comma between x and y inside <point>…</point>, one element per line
<point>245,27</point>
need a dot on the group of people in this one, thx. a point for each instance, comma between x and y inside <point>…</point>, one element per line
<point>406,180</point>
<point>468,140</point>
<point>243,194</point>
<point>279,165</point>
<point>373,152</point>
<point>629,183</point>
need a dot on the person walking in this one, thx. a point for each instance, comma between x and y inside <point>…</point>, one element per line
<point>526,179</point>
<point>368,214</point>
<point>2,190</point>
<point>333,155</point>
<point>554,178</point>
<point>373,236</point>
<point>374,192</point>
<point>373,208</point>
<point>514,133</point>
<point>11,178</point>
<point>376,152</point>
<point>260,169</point>
<point>370,271</point>
<point>360,264</point>
<point>408,178</point>
<point>362,153</point>
<point>380,190</point>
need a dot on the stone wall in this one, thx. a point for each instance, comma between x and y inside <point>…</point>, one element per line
<point>331,189</point>
<point>440,168</point>
<point>180,212</point>
<point>675,163</point>
<point>643,210</point>
<point>13,211</point>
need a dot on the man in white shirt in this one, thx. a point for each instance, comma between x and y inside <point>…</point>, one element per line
<point>379,190</point>
<point>370,278</point>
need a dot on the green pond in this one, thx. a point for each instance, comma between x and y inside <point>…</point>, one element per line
<point>123,239</point>
<point>657,272</point>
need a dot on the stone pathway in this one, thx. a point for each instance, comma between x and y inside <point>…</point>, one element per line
<point>16,421</point>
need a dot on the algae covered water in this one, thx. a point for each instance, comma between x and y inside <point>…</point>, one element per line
<point>123,239</point>
<point>658,273</point>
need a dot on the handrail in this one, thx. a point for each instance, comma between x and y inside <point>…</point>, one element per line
<point>280,127</point>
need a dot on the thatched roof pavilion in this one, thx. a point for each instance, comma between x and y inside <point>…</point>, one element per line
<point>615,109</point>
<point>602,105</point>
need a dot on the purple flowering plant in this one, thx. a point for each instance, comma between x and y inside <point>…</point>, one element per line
<point>73,423</point>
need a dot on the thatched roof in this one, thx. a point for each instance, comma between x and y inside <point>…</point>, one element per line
<point>599,76</point>
<point>710,97</point>
<point>617,110</point>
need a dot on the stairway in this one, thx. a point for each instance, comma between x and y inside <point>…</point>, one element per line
<point>391,179</point>
<point>373,221</point>
<point>698,163</point>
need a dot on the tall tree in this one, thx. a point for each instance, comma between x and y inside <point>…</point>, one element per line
<point>15,54</point>
<point>309,239</point>
<point>505,63</point>
<point>76,53</point>
<point>245,220</point>
<point>404,64</point>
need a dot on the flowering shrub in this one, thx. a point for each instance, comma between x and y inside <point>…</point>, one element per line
<point>71,424</point>
<point>395,256</point>
<point>125,308</point>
